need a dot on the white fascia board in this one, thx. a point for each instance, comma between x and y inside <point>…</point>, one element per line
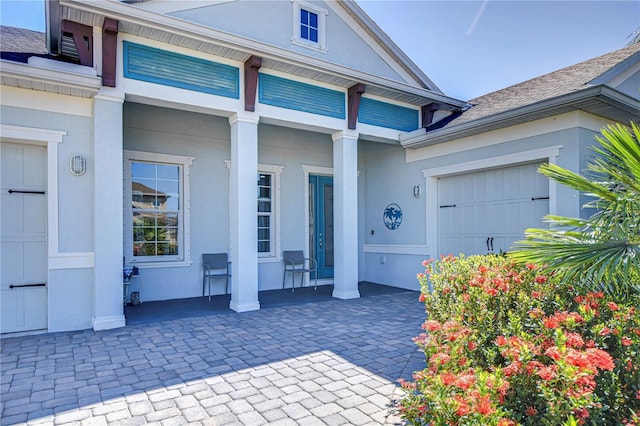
<point>384,39</point>
<point>556,123</point>
<point>59,77</point>
<point>379,134</point>
<point>46,101</point>
<point>124,12</point>
<point>299,119</point>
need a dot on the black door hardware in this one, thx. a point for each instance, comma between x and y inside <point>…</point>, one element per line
<point>13,191</point>
<point>28,285</point>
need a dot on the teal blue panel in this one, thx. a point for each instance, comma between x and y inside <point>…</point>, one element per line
<point>391,116</point>
<point>291,94</point>
<point>185,72</point>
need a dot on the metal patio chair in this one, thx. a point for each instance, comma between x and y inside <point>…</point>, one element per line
<point>295,262</point>
<point>215,265</point>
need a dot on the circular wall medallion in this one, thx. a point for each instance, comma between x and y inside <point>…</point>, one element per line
<point>392,216</point>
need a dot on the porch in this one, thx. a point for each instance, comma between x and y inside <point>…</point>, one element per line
<point>166,310</point>
<point>332,361</point>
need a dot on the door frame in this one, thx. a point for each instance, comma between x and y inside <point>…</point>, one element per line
<point>549,154</point>
<point>320,171</point>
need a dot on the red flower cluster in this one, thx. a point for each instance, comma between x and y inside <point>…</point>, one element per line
<point>507,344</point>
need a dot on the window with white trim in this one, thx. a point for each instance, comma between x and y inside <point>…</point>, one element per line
<point>156,208</point>
<point>309,25</point>
<point>268,211</point>
<point>265,213</point>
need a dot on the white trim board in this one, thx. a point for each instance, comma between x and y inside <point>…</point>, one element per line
<point>406,249</point>
<point>185,163</point>
<point>576,119</point>
<point>44,101</point>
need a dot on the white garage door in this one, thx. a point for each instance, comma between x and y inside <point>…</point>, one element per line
<point>487,211</point>
<point>23,291</point>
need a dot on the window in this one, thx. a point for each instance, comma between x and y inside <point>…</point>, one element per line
<point>157,214</point>
<point>309,25</point>
<point>265,212</point>
<point>269,212</point>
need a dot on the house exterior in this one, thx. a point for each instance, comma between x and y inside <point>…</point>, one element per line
<point>156,131</point>
<point>478,168</point>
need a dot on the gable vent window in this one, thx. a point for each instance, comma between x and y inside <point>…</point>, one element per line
<point>309,25</point>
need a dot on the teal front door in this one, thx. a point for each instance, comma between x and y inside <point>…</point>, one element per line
<point>321,223</point>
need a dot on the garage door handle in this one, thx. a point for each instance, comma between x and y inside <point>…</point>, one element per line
<point>447,206</point>
<point>13,191</point>
<point>491,241</point>
<point>539,198</point>
<point>28,285</point>
<point>488,249</point>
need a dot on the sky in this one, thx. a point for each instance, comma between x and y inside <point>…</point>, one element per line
<point>471,48</point>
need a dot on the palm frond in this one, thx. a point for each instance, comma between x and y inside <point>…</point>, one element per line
<point>604,250</point>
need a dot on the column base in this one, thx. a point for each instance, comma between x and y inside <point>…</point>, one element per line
<point>107,323</point>
<point>340,294</point>
<point>244,307</point>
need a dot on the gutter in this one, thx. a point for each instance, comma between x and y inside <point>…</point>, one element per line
<point>420,138</point>
<point>127,13</point>
<point>56,77</point>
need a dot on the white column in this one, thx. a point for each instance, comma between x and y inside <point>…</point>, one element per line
<point>243,221</point>
<point>107,212</point>
<point>345,214</point>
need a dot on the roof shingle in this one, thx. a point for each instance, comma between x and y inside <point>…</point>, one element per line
<point>18,44</point>
<point>557,83</point>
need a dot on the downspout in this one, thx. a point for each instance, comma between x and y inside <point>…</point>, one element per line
<point>53,26</point>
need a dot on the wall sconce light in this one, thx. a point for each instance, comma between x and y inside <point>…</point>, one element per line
<point>417,191</point>
<point>77,165</point>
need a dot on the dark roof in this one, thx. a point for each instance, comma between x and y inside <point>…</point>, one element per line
<point>558,83</point>
<point>18,44</point>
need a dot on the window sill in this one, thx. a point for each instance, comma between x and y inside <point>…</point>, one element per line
<point>169,264</point>
<point>269,259</point>
<point>308,45</point>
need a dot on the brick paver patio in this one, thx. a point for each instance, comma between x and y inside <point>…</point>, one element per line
<point>327,363</point>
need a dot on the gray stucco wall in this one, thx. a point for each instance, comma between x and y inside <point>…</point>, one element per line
<point>75,215</point>
<point>271,23</point>
<point>290,148</point>
<point>75,196</point>
<point>631,86</point>
<point>207,139</point>
<point>388,178</point>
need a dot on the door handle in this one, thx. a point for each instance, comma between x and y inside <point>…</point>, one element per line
<point>27,285</point>
<point>491,243</point>
<point>320,241</point>
<point>488,249</point>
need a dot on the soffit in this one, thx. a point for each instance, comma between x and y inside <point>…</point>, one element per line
<point>24,76</point>
<point>414,96</point>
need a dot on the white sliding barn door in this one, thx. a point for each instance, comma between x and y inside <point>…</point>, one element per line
<point>23,291</point>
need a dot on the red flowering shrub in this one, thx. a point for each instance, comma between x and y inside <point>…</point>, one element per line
<point>506,345</point>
